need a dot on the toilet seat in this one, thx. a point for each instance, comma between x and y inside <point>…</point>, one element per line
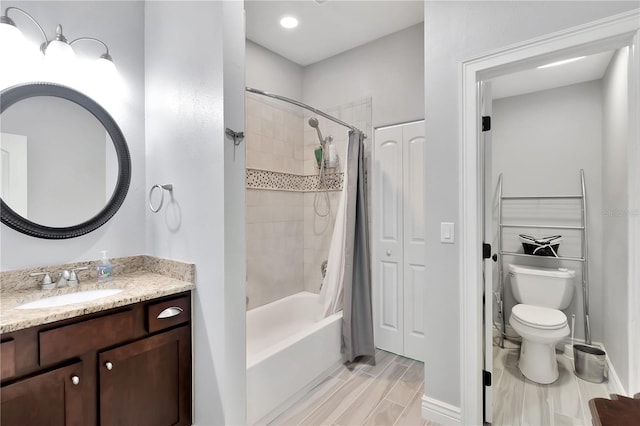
<point>539,317</point>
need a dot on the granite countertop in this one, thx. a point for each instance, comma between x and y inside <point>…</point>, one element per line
<point>141,278</point>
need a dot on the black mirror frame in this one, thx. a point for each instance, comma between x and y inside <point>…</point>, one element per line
<point>12,219</point>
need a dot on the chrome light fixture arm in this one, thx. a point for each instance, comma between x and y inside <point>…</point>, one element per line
<point>5,19</point>
<point>105,55</point>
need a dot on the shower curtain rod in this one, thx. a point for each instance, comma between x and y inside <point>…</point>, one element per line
<point>305,106</point>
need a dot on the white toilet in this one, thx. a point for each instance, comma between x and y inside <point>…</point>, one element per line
<point>541,292</point>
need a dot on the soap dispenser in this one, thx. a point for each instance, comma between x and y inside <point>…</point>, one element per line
<point>105,269</point>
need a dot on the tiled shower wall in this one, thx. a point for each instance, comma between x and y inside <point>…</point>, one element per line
<point>317,239</point>
<point>286,240</point>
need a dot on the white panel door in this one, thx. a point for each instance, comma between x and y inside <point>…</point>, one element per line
<point>414,239</point>
<point>387,234</point>
<point>399,239</point>
<point>13,172</point>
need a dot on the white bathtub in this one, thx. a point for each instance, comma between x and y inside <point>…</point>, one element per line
<point>288,350</point>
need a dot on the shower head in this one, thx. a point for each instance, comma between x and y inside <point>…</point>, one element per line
<point>313,122</point>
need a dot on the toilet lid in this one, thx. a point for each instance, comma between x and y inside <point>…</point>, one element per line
<point>539,317</point>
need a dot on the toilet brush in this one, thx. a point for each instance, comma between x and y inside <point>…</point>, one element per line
<point>573,323</point>
<point>568,349</point>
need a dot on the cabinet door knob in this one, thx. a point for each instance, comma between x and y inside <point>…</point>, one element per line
<point>170,312</point>
<point>108,366</point>
<point>388,252</point>
<point>75,380</point>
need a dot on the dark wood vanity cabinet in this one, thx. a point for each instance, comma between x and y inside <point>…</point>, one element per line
<point>51,398</point>
<point>141,383</point>
<point>125,366</point>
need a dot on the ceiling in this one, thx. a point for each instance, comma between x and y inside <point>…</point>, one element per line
<point>590,68</point>
<point>326,27</point>
<point>330,27</point>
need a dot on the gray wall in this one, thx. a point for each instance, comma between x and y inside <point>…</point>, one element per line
<point>455,31</point>
<point>124,234</point>
<point>389,70</point>
<point>541,141</point>
<point>273,73</point>
<point>185,119</point>
<point>615,215</point>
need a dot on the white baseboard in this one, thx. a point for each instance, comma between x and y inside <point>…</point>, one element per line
<point>615,385</point>
<point>440,412</point>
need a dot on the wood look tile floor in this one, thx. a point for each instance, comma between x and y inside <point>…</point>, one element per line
<point>389,393</point>
<point>519,401</point>
<point>386,394</point>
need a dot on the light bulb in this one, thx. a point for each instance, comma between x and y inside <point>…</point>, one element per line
<point>105,69</point>
<point>60,63</point>
<point>12,55</point>
<point>565,61</point>
<point>59,52</point>
<point>103,82</point>
<point>288,22</point>
<point>11,40</point>
<point>9,32</point>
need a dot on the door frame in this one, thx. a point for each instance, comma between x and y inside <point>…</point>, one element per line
<point>609,33</point>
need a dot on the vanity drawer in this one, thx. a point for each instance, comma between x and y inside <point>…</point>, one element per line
<point>65,342</point>
<point>168,313</point>
<point>7,359</point>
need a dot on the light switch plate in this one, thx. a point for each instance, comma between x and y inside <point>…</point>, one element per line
<point>447,234</point>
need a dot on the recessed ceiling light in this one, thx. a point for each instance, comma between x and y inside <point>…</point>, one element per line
<point>565,61</point>
<point>288,22</point>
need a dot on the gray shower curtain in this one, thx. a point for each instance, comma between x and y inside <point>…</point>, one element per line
<point>357,318</point>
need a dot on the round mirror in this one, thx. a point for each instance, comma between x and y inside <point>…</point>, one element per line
<point>65,167</point>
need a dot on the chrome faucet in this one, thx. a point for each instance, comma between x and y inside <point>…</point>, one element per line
<point>73,279</point>
<point>66,278</point>
<point>47,284</point>
<point>63,278</point>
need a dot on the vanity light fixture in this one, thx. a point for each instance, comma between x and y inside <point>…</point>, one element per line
<point>564,61</point>
<point>57,50</point>
<point>288,22</point>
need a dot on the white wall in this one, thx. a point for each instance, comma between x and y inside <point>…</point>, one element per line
<point>615,214</point>
<point>453,32</point>
<point>270,72</point>
<point>203,221</point>
<point>541,141</point>
<point>235,367</point>
<point>389,70</point>
<point>124,234</point>
<point>184,125</point>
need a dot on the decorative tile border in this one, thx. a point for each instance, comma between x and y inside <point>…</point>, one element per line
<point>267,179</point>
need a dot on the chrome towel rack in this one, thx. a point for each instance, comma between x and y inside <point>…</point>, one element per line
<point>584,248</point>
<point>165,187</point>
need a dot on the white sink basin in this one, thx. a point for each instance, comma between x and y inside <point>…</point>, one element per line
<point>69,298</point>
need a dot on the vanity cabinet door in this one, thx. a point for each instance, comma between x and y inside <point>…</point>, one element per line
<point>52,398</point>
<point>147,382</point>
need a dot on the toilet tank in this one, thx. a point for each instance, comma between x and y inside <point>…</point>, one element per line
<point>547,287</point>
